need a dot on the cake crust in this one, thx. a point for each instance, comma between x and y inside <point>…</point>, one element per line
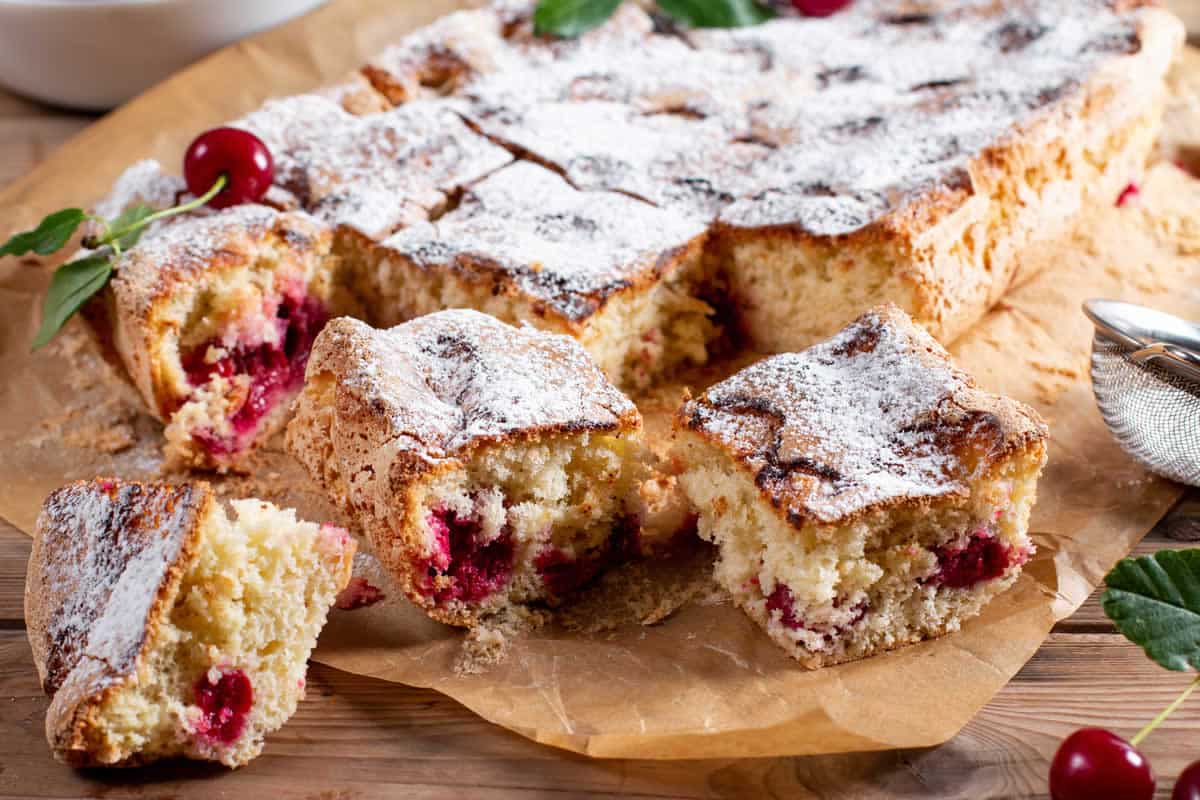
<point>916,429</point>
<point>107,561</point>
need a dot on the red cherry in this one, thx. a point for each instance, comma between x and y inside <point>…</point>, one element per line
<point>820,8</point>
<point>238,155</point>
<point>1094,764</point>
<point>1187,786</point>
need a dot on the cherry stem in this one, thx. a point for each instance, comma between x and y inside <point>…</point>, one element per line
<point>1166,712</point>
<point>113,237</point>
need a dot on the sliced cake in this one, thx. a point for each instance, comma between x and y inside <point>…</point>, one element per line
<point>863,494</point>
<point>163,627</point>
<point>922,156</point>
<point>213,315</point>
<point>489,466</point>
<point>623,277</point>
<point>900,155</point>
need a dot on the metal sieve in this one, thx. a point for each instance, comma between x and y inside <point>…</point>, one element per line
<point>1146,378</point>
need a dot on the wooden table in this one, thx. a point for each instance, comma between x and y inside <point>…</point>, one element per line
<point>355,737</point>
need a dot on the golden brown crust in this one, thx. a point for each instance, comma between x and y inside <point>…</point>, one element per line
<point>874,418</point>
<point>107,561</point>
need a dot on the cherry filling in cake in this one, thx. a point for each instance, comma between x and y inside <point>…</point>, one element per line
<point>274,367</point>
<point>224,705</point>
<point>563,572</point>
<point>983,558</point>
<point>782,600</point>
<point>465,567</point>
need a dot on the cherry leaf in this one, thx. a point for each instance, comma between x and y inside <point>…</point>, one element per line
<point>1155,602</point>
<point>129,218</point>
<point>51,234</point>
<point>570,18</point>
<point>716,13</point>
<point>72,285</point>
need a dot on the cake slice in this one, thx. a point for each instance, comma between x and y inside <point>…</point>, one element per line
<point>621,276</point>
<point>490,467</point>
<point>163,627</point>
<point>213,314</point>
<point>863,494</point>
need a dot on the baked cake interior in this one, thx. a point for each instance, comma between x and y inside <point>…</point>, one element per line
<point>879,581</point>
<point>227,665</point>
<point>527,522</point>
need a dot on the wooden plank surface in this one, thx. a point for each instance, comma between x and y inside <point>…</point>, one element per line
<point>355,737</point>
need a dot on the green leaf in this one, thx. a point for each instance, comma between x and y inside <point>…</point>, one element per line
<point>51,234</point>
<point>716,13</point>
<point>570,18</point>
<point>128,219</point>
<point>70,288</point>
<point>1155,602</point>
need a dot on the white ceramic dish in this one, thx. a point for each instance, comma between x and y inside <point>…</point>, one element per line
<point>96,54</point>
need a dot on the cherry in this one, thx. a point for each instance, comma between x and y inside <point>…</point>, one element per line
<point>820,8</point>
<point>1094,764</point>
<point>239,155</point>
<point>1187,786</point>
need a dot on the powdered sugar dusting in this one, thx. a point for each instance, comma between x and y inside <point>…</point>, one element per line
<point>855,115</point>
<point>373,173</point>
<point>447,381</point>
<point>570,249</point>
<point>104,551</point>
<point>875,415</point>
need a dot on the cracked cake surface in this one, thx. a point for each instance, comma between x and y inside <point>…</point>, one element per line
<point>875,417</point>
<point>863,494</point>
<point>569,251</point>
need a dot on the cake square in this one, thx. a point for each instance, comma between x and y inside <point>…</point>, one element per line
<point>621,276</point>
<point>213,314</point>
<point>863,494</point>
<point>490,467</point>
<point>164,626</point>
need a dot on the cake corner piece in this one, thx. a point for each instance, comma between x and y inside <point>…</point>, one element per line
<point>155,619</point>
<point>864,494</point>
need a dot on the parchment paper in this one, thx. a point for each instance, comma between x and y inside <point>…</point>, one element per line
<point>705,682</point>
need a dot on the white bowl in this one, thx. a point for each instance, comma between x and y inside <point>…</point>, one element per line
<point>96,54</point>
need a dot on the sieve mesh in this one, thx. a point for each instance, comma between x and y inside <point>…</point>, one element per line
<point>1154,414</point>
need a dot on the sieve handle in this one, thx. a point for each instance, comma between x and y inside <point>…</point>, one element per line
<point>1137,327</point>
<point>1178,360</point>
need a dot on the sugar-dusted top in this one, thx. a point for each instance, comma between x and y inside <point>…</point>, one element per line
<point>106,554</point>
<point>527,228</point>
<point>443,384</point>
<point>373,173</point>
<point>856,116</point>
<point>874,417</point>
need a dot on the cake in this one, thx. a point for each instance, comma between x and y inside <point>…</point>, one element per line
<point>163,626</point>
<point>622,277</point>
<point>369,174</point>
<point>703,189</point>
<point>213,314</point>
<point>490,467</point>
<point>863,494</point>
